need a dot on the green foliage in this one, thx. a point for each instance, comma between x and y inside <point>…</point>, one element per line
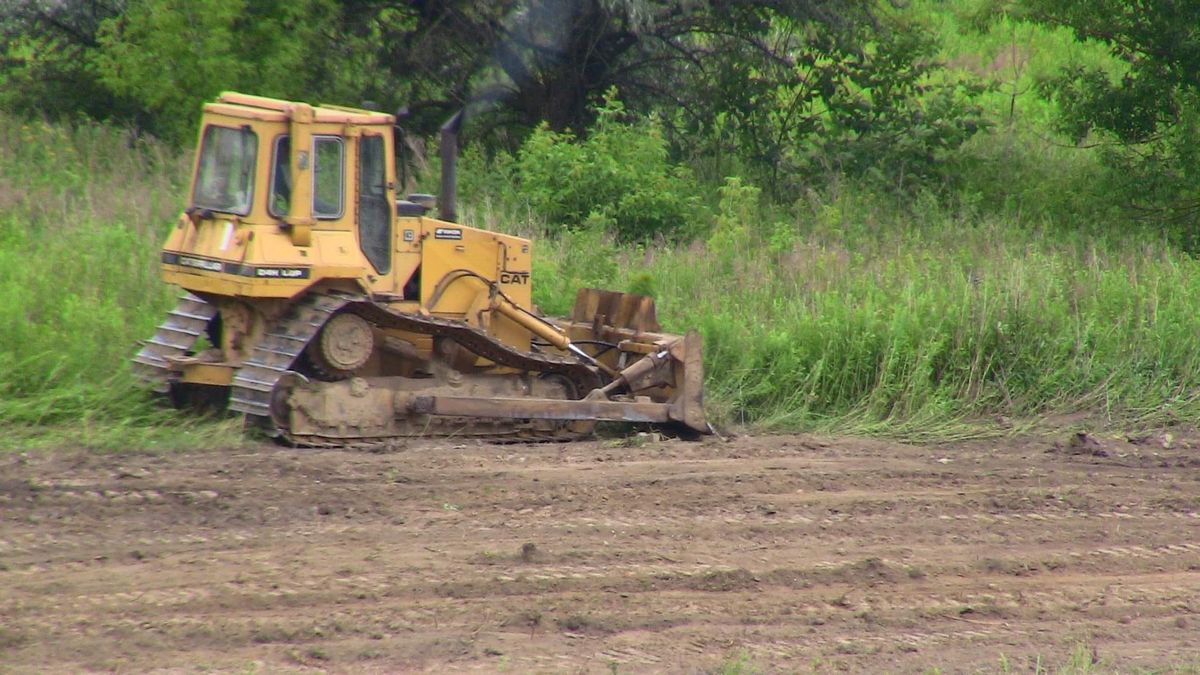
<point>1156,38</point>
<point>82,211</point>
<point>211,45</point>
<point>1145,111</point>
<point>738,663</point>
<point>528,62</point>
<point>890,119</point>
<point>738,210</point>
<point>642,283</point>
<point>619,178</point>
<point>909,323</point>
<point>581,258</point>
<point>47,61</point>
<point>866,100</point>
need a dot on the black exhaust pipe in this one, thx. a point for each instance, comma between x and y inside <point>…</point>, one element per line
<point>449,191</point>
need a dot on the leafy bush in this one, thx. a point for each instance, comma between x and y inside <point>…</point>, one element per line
<point>894,119</point>
<point>619,177</point>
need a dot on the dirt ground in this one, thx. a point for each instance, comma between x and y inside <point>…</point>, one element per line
<point>757,554</point>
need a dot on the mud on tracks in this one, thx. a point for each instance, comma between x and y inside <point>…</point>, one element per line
<point>787,553</point>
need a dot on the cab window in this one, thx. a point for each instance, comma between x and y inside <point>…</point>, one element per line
<point>374,215</point>
<point>225,175</point>
<point>281,177</point>
<point>327,177</point>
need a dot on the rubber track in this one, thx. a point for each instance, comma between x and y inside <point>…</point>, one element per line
<point>283,343</point>
<point>175,336</point>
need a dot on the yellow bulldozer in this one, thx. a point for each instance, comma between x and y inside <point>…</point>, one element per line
<point>333,312</point>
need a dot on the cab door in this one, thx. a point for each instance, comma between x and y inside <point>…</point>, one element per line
<point>374,212</point>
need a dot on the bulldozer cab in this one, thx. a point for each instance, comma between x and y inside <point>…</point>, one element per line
<point>287,197</point>
<point>297,169</point>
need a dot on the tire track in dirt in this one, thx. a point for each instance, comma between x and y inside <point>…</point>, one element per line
<point>666,556</point>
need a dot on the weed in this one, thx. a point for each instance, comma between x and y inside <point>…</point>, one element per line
<point>916,325</point>
<point>1084,659</point>
<point>738,663</point>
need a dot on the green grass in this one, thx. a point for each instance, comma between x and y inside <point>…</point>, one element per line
<point>919,323</point>
<point>82,212</point>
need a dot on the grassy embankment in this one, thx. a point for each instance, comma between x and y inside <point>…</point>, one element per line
<point>850,314</point>
<point>1021,296</point>
<point>922,324</point>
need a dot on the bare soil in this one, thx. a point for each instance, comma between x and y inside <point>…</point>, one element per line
<point>759,554</point>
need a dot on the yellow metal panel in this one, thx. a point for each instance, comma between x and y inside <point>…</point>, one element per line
<point>208,373</point>
<point>450,249</point>
<point>300,207</point>
<point>244,114</point>
<point>235,98</point>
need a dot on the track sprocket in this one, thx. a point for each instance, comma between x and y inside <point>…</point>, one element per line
<point>344,345</point>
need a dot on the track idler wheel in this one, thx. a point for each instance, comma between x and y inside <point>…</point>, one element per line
<point>344,345</point>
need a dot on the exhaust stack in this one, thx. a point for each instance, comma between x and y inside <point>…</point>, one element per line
<point>447,200</point>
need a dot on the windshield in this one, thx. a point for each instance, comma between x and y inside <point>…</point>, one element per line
<point>225,179</point>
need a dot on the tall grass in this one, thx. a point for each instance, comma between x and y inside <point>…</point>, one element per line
<point>83,210</point>
<point>846,312</point>
<point>921,322</point>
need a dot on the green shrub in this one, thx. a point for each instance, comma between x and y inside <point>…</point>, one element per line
<point>581,258</point>
<point>619,175</point>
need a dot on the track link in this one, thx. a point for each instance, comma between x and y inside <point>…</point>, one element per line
<point>277,352</point>
<point>175,336</point>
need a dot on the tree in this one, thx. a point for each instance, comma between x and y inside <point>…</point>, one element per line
<point>859,98</point>
<point>172,55</point>
<point>153,62</point>
<point>523,62</point>
<point>794,87</point>
<point>1148,114</point>
<point>797,87</point>
<point>47,59</point>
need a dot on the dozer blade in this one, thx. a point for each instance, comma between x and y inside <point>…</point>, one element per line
<point>665,387</point>
<point>688,404</point>
<point>678,366</point>
<point>667,367</point>
<point>615,309</point>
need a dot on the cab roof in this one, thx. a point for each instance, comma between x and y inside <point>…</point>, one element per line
<point>272,109</point>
